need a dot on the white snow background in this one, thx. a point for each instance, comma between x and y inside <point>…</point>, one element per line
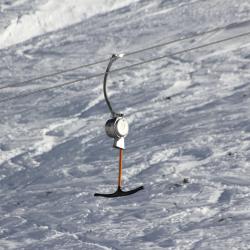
<point>189,119</point>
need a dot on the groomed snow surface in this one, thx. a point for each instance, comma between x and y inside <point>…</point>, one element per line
<point>189,116</point>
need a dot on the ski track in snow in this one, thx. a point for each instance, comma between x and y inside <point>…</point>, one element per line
<point>189,140</point>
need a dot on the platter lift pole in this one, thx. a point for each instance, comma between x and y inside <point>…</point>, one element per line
<point>116,128</point>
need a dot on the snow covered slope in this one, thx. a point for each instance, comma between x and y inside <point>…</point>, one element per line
<point>189,141</point>
<point>50,16</point>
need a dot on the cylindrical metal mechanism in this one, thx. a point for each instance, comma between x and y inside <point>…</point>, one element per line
<point>117,127</point>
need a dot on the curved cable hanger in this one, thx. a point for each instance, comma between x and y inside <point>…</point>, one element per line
<point>113,58</point>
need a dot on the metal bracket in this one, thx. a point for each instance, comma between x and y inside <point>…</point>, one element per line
<point>111,125</point>
<point>113,58</point>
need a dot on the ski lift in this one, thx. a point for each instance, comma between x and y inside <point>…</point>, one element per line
<point>117,128</point>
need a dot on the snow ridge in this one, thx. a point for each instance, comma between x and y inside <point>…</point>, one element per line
<point>55,15</point>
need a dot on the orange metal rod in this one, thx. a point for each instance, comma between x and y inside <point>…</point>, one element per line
<point>120,169</point>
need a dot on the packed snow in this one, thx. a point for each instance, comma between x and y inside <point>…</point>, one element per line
<point>51,16</point>
<point>189,117</point>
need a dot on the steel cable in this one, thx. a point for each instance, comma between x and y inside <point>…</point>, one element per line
<point>17,84</point>
<point>128,66</point>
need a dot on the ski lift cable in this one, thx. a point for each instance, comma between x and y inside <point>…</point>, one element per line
<point>128,66</point>
<point>175,41</point>
<point>18,84</point>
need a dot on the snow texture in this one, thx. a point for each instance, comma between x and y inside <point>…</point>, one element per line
<point>189,116</point>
